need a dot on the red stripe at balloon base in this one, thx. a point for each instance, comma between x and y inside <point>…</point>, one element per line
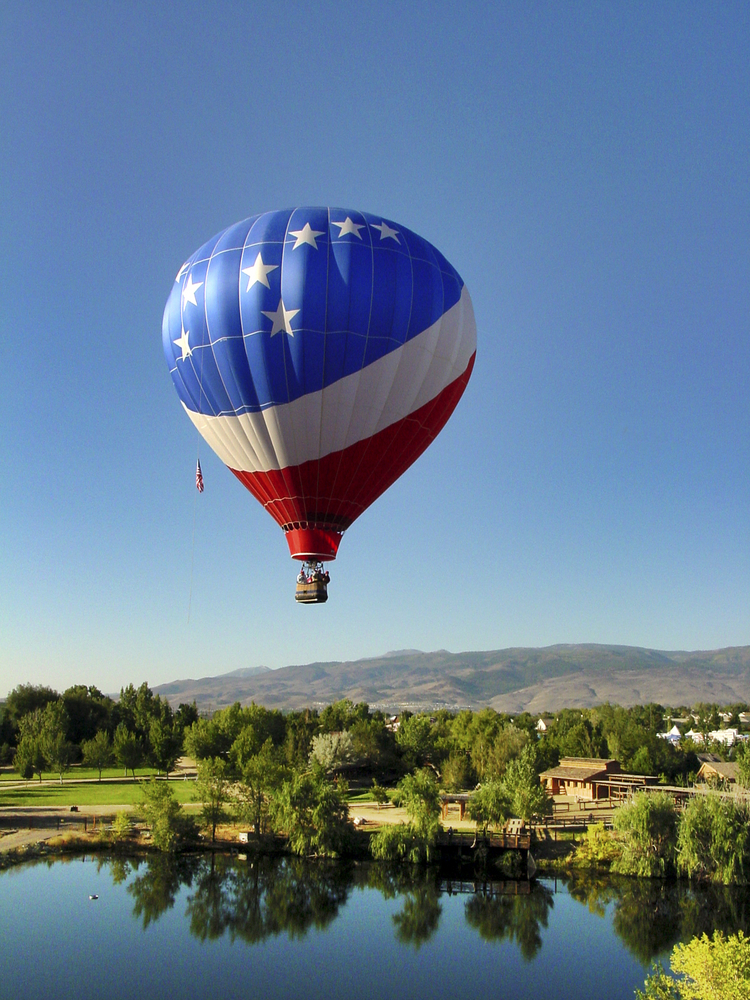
<point>315,502</point>
<point>313,544</point>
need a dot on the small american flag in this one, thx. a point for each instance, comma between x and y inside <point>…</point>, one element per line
<point>198,477</point>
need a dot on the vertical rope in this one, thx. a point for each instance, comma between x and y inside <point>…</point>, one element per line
<point>197,491</point>
<point>192,545</point>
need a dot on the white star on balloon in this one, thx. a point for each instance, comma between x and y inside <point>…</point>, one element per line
<point>188,292</point>
<point>281,318</point>
<point>305,235</point>
<point>386,232</point>
<point>183,344</point>
<point>347,226</point>
<point>258,272</point>
<point>181,271</point>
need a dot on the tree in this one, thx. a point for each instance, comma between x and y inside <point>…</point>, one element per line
<point>58,750</point>
<point>212,791</point>
<point>88,711</point>
<point>374,745</point>
<point>300,729</point>
<point>342,714</point>
<point>205,739</point>
<point>268,723</point>
<point>331,750</point>
<point>261,776</point>
<point>379,793</point>
<point>714,839</point>
<point>508,745</point>
<point>716,968</point>
<point>245,747</point>
<point>163,813</point>
<point>475,733</point>
<point>138,707</point>
<point>30,757</point>
<point>458,773</point>
<point>44,743</point>
<point>7,737</point>
<point>420,796</point>
<point>25,699</point>
<point>648,826</point>
<point>185,715</point>
<point>128,749</point>
<point>524,790</point>
<point>743,765</point>
<point>314,813</point>
<point>490,805</point>
<point>415,841</point>
<point>416,740</point>
<point>165,741</point>
<point>98,752</point>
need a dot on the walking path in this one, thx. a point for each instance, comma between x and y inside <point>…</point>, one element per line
<point>24,825</point>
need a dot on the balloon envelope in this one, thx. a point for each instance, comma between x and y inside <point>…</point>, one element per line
<point>318,351</point>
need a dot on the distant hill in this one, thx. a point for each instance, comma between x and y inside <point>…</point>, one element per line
<point>509,680</point>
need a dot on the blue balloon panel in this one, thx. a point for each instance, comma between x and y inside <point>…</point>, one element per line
<point>287,303</point>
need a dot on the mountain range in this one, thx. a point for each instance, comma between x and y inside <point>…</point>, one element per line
<point>537,680</point>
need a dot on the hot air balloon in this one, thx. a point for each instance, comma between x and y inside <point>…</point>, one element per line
<point>318,351</point>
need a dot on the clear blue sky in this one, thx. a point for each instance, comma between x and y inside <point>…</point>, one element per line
<point>584,166</point>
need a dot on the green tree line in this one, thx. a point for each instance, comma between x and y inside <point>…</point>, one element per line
<point>43,730</point>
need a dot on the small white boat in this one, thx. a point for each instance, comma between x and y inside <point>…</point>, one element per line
<point>94,896</point>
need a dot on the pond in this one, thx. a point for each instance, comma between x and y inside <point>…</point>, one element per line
<point>219,926</point>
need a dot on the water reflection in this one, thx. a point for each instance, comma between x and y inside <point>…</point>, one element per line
<point>419,916</point>
<point>651,916</point>
<point>512,917</point>
<point>266,897</point>
<point>155,889</point>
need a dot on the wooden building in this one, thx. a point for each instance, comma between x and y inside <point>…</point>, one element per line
<point>580,776</point>
<point>716,772</point>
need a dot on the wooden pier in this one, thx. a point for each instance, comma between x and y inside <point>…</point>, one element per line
<point>477,848</point>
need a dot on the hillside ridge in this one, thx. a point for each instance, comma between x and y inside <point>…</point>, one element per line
<point>535,679</point>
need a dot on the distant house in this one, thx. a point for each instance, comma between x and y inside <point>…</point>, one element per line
<point>579,776</point>
<point>544,723</point>
<point>745,718</point>
<point>718,771</point>
<point>726,736</point>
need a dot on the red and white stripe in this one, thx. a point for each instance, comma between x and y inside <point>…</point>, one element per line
<point>319,461</point>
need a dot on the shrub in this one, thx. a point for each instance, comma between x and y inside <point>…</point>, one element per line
<point>714,840</point>
<point>648,827</point>
<point>715,968</point>
<point>120,828</point>
<point>598,847</point>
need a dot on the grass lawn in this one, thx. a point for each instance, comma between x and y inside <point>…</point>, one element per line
<point>366,795</point>
<point>113,793</point>
<point>77,773</point>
